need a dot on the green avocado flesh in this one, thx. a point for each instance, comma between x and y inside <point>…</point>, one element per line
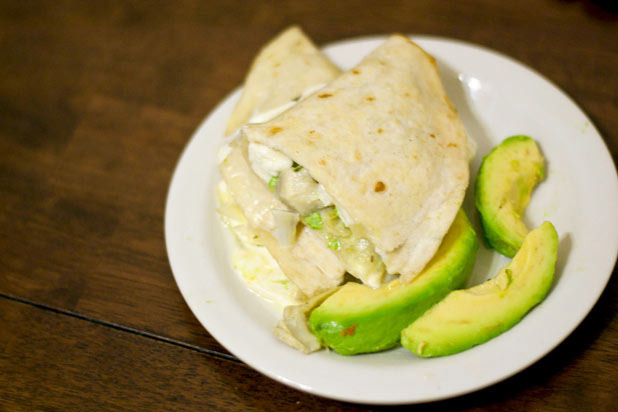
<point>466,318</point>
<point>503,186</point>
<point>359,319</point>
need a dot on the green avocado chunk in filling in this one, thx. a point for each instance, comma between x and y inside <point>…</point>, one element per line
<point>314,221</point>
<point>272,183</point>
<point>355,252</point>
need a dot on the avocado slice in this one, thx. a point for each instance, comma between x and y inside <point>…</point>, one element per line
<point>466,318</point>
<point>359,319</point>
<point>503,186</point>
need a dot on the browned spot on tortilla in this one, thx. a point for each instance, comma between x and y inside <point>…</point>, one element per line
<point>357,155</point>
<point>277,64</point>
<point>355,71</point>
<point>275,130</point>
<point>382,63</point>
<point>370,99</point>
<point>322,162</point>
<point>380,130</point>
<point>324,95</point>
<point>349,331</point>
<point>379,187</point>
<point>433,136</point>
<point>311,131</point>
<point>452,145</point>
<point>406,94</point>
<point>415,157</point>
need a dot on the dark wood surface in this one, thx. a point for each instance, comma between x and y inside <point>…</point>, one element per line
<point>97,100</point>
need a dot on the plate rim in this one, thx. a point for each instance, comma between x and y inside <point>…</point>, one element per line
<point>305,388</point>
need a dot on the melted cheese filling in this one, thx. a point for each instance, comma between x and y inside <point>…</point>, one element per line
<point>251,261</point>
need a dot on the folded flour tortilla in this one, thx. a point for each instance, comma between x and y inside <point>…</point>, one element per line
<point>387,146</point>
<point>288,67</point>
<point>285,68</point>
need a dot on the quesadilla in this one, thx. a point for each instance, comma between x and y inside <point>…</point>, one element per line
<point>375,162</point>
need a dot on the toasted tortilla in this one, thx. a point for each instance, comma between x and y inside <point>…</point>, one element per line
<point>285,68</point>
<point>387,145</point>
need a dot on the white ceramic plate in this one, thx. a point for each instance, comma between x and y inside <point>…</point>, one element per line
<point>496,97</point>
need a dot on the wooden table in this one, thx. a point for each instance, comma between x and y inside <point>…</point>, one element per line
<point>98,99</point>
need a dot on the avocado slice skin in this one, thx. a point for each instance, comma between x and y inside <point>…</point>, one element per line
<point>359,319</point>
<point>469,317</point>
<point>503,186</point>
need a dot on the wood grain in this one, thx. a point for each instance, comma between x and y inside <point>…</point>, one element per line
<point>52,361</point>
<point>97,100</point>
<point>77,365</point>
